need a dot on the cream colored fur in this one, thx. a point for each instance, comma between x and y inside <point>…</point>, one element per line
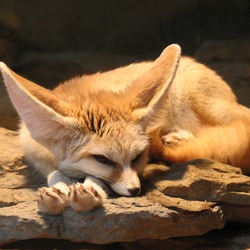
<point>102,127</point>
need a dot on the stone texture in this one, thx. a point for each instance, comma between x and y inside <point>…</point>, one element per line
<point>9,26</point>
<point>126,26</point>
<point>230,58</point>
<point>209,181</point>
<point>187,199</point>
<point>9,118</point>
<point>37,65</point>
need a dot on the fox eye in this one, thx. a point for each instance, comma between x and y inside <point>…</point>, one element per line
<point>137,158</point>
<point>103,159</point>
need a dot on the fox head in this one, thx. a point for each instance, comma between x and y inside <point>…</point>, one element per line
<point>101,133</point>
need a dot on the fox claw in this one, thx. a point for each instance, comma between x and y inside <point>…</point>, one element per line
<point>84,198</point>
<point>51,200</point>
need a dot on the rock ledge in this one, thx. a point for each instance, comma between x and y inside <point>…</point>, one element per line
<point>187,199</point>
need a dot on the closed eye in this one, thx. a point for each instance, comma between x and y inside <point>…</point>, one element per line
<point>136,159</point>
<point>103,159</point>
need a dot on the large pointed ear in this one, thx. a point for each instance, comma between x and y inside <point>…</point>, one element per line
<point>149,91</point>
<point>43,113</point>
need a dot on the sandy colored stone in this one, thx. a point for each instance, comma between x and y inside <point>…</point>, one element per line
<point>209,181</point>
<point>10,150</point>
<point>119,220</point>
<point>206,180</point>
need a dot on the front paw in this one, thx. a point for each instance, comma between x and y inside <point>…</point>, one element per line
<point>52,200</point>
<point>84,198</point>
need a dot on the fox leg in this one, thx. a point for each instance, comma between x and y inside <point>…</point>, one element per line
<point>63,192</point>
<point>55,198</point>
<point>52,200</point>
<point>166,146</point>
<point>176,137</point>
<point>87,196</point>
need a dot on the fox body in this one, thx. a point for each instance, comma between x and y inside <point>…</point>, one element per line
<point>104,127</point>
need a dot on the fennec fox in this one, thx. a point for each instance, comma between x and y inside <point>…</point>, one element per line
<point>103,127</point>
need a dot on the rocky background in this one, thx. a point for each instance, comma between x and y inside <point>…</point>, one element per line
<point>51,41</point>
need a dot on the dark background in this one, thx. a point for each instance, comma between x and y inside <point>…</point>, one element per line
<point>50,41</point>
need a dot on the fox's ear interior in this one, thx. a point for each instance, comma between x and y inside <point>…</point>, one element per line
<point>149,91</point>
<point>42,112</point>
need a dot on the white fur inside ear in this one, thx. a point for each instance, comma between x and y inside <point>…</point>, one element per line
<point>40,119</point>
<point>3,67</point>
<point>23,101</point>
<point>174,65</point>
<point>168,64</point>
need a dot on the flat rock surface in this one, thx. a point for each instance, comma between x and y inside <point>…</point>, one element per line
<point>187,199</point>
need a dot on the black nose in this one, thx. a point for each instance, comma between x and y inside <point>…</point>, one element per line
<point>134,191</point>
